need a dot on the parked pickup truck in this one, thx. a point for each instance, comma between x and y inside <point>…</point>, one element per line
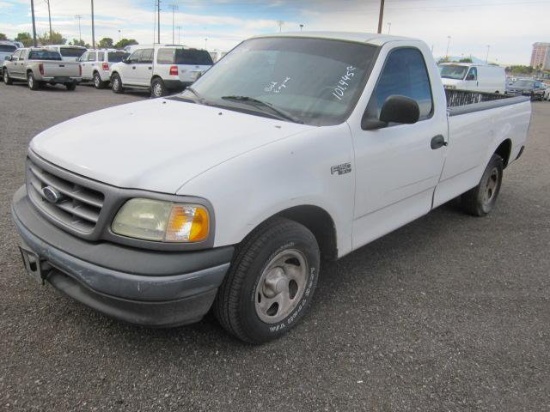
<point>40,66</point>
<point>292,148</point>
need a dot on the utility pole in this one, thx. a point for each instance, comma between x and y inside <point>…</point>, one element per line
<point>448,44</point>
<point>381,17</point>
<point>280,23</point>
<point>78,16</point>
<point>487,56</point>
<point>174,7</point>
<point>33,25</point>
<point>93,26</point>
<point>49,16</point>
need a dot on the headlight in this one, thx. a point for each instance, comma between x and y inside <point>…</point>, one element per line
<point>162,221</point>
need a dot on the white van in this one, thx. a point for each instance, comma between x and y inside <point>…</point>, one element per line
<point>68,53</point>
<point>474,77</point>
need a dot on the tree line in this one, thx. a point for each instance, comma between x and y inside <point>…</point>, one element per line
<point>57,38</point>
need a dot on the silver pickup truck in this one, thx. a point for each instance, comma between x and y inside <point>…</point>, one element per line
<point>39,66</point>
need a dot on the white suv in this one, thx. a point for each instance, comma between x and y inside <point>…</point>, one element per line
<point>160,69</point>
<point>96,65</point>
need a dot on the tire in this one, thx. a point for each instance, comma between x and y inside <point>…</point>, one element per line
<point>270,283</point>
<point>70,86</point>
<point>480,200</point>
<point>158,89</point>
<point>6,77</point>
<point>31,81</point>
<point>116,83</point>
<point>98,83</point>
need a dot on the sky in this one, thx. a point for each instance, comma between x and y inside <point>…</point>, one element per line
<point>501,30</point>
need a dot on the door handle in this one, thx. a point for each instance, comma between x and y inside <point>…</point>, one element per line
<point>150,68</point>
<point>437,142</point>
<point>133,67</point>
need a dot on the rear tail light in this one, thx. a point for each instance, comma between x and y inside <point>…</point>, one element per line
<point>41,69</point>
<point>105,66</point>
<point>173,70</point>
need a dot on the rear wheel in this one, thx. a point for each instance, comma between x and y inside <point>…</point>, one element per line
<point>116,83</point>
<point>480,200</point>
<point>6,77</point>
<point>31,81</point>
<point>98,83</point>
<point>270,284</point>
<point>158,89</point>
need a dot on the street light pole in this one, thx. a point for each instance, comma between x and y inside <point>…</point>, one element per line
<point>381,17</point>
<point>487,56</point>
<point>448,44</point>
<point>93,26</point>
<point>174,7</point>
<point>49,16</point>
<point>33,24</point>
<point>389,28</point>
<point>78,16</point>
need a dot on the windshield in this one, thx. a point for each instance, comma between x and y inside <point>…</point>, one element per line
<point>115,57</point>
<point>524,83</point>
<point>7,48</point>
<point>453,72</point>
<point>311,81</point>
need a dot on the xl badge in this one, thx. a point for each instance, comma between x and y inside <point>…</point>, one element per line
<point>341,169</point>
<point>51,194</point>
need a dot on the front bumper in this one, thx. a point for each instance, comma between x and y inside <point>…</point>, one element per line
<point>151,288</point>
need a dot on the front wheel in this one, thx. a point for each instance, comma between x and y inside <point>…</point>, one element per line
<point>480,200</point>
<point>6,77</point>
<point>31,81</point>
<point>270,284</point>
<point>116,83</point>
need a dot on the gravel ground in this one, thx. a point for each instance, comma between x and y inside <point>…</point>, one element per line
<point>450,313</point>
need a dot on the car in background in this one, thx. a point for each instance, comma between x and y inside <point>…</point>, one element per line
<point>546,95</point>
<point>6,49</point>
<point>96,65</point>
<point>68,53</point>
<point>161,69</point>
<point>528,87</point>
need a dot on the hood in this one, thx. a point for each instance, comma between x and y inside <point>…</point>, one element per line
<point>155,145</point>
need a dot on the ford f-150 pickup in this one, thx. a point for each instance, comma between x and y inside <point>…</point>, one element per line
<point>40,66</point>
<point>292,148</point>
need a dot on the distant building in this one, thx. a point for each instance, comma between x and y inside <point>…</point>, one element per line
<point>541,55</point>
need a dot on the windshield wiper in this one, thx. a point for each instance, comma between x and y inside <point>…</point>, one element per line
<point>196,93</point>
<point>279,113</point>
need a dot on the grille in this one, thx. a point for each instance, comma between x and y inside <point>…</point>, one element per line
<point>78,207</point>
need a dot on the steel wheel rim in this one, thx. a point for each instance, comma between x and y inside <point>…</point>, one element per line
<point>31,81</point>
<point>157,90</point>
<point>96,80</point>
<point>6,77</point>
<point>281,286</point>
<point>491,187</point>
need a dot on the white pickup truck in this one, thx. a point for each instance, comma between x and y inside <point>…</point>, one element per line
<point>294,147</point>
<point>40,66</point>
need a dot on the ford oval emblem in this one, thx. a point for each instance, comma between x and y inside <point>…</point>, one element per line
<point>51,194</point>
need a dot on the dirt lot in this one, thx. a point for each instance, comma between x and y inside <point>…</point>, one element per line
<point>448,313</point>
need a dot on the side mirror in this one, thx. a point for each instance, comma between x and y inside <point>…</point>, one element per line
<point>470,77</point>
<point>126,60</point>
<point>396,109</point>
<point>7,58</point>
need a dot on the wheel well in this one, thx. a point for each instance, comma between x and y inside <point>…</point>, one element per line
<point>504,151</point>
<point>320,223</point>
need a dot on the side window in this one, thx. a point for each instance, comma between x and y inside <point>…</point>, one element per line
<point>166,56</point>
<point>404,74</point>
<point>91,56</point>
<point>22,55</point>
<point>147,56</point>
<point>101,56</point>
<point>472,74</point>
<point>16,55</point>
